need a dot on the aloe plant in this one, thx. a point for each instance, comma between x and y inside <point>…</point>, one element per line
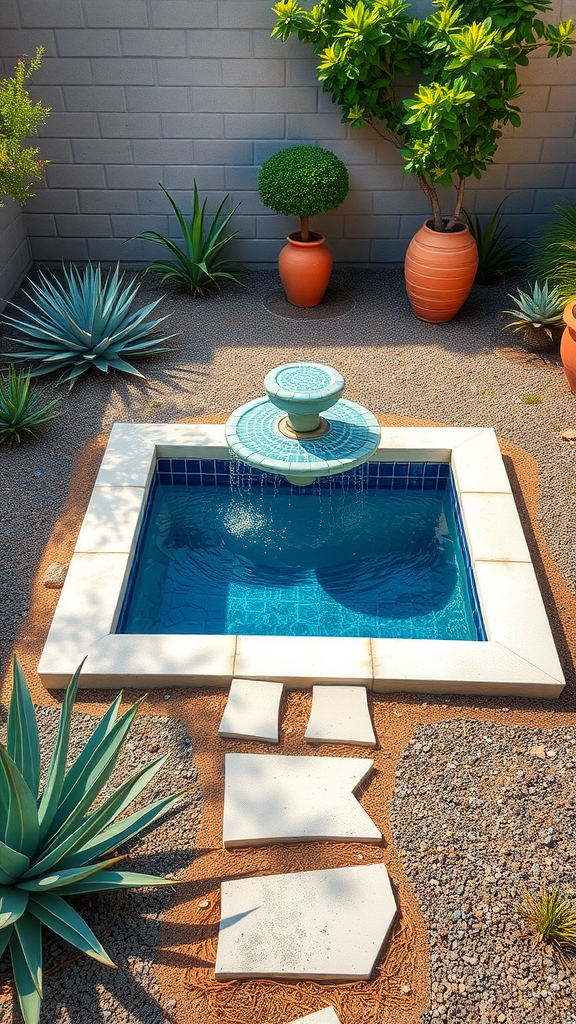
<point>82,322</point>
<point>21,409</point>
<point>52,843</point>
<point>197,266</point>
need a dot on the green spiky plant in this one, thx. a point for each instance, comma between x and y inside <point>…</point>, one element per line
<point>555,256</point>
<point>538,314</point>
<point>52,843</point>
<point>197,266</point>
<point>551,918</point>
<point>84,321</point>
<point>21,410</point>
<point>497,254</point>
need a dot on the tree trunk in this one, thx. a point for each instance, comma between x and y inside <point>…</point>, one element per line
<point>305,229</point>
<point>432,197</point>
<point>458,208</point>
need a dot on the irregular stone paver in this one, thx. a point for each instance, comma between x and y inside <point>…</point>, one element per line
<point>328,924</point>
<point>252,711</point>
<point>326,1016</point>
<point>340,715</point>
<point>276,798</point>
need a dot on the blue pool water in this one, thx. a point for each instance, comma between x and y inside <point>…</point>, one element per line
<point>374,552</point>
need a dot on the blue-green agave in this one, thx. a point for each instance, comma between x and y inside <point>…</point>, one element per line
<point>84,321</point>
<point>52,843</point>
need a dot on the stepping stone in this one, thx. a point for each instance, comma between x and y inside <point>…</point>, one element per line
<point>340,715</point>
<point>326,1016</point>
<point>329,924</point>
<point>270,798</point>
<point>252,711</point>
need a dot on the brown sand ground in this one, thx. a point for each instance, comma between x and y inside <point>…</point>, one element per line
<point>187,947</point>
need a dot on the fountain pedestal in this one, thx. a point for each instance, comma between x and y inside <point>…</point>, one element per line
<point>284,433</point>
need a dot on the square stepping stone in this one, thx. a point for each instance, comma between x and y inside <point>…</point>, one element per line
<point>329,924</point>
<point>340,715</point>
<point>252,711</point>
<point>270,798</point>
<point>326,1016</point>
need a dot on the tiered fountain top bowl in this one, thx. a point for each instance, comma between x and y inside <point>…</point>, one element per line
<point>284,433</point>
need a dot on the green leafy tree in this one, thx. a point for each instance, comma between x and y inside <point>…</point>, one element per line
<point>467,54</point>
<point>19,118</point>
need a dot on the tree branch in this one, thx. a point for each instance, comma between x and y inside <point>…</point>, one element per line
<point>432,197</point>
<point>459,201</point>
<point>388,135</point>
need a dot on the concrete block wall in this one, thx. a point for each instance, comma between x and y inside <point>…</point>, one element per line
<point>15,258</point>
<point>149,91</point>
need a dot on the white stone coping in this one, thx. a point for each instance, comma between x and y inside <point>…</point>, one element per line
<point>519,657</point>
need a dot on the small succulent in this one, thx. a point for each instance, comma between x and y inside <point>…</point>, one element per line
<point>197,266</point>
<point>21,409</point>
<point>52,842</point>
<point>84,321</point>
<point>542,307</point>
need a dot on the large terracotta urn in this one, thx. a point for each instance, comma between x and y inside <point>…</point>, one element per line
<point>440,269</point>
<point>568,345</point>
<point>305,269</point>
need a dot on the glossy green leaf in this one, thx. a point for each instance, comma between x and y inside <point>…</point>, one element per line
<point>58,878</point>
<point>58,915</point>
<point>5,934</point>
<point>29,932</point>
<point>113,880</point>
<point>28,995</point>
<point>13,903</point>
<point>57,768</point>
<point>12,864</point>
<point>21,830</point>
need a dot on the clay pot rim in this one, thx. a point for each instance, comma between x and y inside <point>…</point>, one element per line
<point>456,230</point>
<point>315,239</point>
<point>569,314</point>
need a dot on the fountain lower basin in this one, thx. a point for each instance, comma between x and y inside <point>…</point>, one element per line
<point>517,658</point>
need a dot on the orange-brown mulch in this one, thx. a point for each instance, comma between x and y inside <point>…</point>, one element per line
<point>187,946</point>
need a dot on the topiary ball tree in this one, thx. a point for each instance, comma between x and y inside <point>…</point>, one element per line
<point>303,181</point>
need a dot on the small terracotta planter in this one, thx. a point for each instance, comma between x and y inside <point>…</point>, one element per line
<point>568,346</point>
<point>440,269</point>
<point>305,269</point>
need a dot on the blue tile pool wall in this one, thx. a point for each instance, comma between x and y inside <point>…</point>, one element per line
<point>428,476</point>
<point>397,476</point>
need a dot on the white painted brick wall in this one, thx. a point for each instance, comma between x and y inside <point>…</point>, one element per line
<point>149,91</point>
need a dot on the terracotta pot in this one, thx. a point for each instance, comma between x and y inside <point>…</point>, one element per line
<point>305,269</point>
<point>440,269</point>
<point>568,346</point>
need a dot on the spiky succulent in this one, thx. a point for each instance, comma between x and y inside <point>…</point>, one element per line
<point>21,410</point>
<point>51,844</point>
<point>540,308</point>
<point>83,321</point>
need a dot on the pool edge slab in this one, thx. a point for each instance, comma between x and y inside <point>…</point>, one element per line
<point>519,657</point>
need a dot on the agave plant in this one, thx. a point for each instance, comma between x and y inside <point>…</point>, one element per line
<point>83,321</point>
<point>51,844</point>
<point>197,266</point>
<point>537,313</point>
<point>21,409</point>
<point>497,255</point>
<point>542,307</point>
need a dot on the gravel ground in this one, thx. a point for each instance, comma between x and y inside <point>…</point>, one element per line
<point>79,989</point>
<point>392,362</point>
<point>479,812</point>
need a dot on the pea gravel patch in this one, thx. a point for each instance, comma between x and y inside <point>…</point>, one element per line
<point>479,812</point>
<point>77,990</point>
